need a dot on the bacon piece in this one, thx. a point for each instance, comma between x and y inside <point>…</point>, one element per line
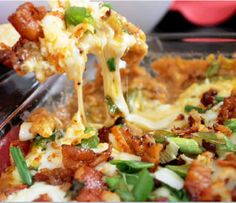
<point>43,198</point>
<point>6,56</point>
<point>121,143</point>
<point>104,156</point>
<point>143,146</point>
<point>152,154</point>
<point>228,110</point>
<point>180,117</point>
<point>211,147</point>
<point>89,195</point>
<point>223,129</point>
<point>26,21</point>
<point>74,157</point>
<point>56,176</point>
<point>93,184</point>
<point>198,181</point>
<point>208,97</point>
<point>146,147</point>
<point>229,161</point>
<point>103,134</point>
<point>194,123</point>
<point>12,57</point>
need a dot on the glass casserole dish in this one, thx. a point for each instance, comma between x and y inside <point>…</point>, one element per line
<point>57,90</point>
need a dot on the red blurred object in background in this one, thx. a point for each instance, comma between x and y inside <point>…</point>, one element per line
<point>11,138</point>
<point>205,13</point>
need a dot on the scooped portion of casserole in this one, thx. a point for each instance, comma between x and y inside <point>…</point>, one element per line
<point>127,135</point>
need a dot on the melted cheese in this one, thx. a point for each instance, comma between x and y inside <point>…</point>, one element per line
<point>24,133</point>
<point>65,49</point>
<point>50,158</point>
<point>163,116</point>
<point>34,192</point>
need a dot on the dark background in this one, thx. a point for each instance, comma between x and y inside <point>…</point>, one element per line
<point>174,22</point>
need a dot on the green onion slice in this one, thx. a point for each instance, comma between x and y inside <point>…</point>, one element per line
<point>213,69</point>
<point>21,166</point>
<point>111,64</point>
<point>131,166</point>
<point>75,15</point>
<point>189,108</point>
<point>188,146</point>
<point>231,124</point>
<point>219,99</point>
<point>144,186</point>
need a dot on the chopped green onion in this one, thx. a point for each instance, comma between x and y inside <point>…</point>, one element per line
<point>161,135</point>
<point>111,64</point>
<point>76,15</point>
<point>21,166</point>
<point>132,187</point>
<point>113,182</point>
<point>144,186</point>
<point>42,142</point>
<point>230,146</point>
<point>107,4</point>
<point>213,70</point>
<point>125,194</point>
<point>178,195</point>
<point>90,130</point>
<point>91,142</point>
<point>181,170</point>
<point>225,146</point>
<point>219,99</point>
<point>112,108</point>
<point>169,153</point>
<point>131,178</point>
<point>169,177</point>
<point>231,124</point>
<point>120,186</point>
<point>131,166</point>
<point>189,108</point>
<point>171,194</point>
<point>209,137</point>
<point>188,146</point>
